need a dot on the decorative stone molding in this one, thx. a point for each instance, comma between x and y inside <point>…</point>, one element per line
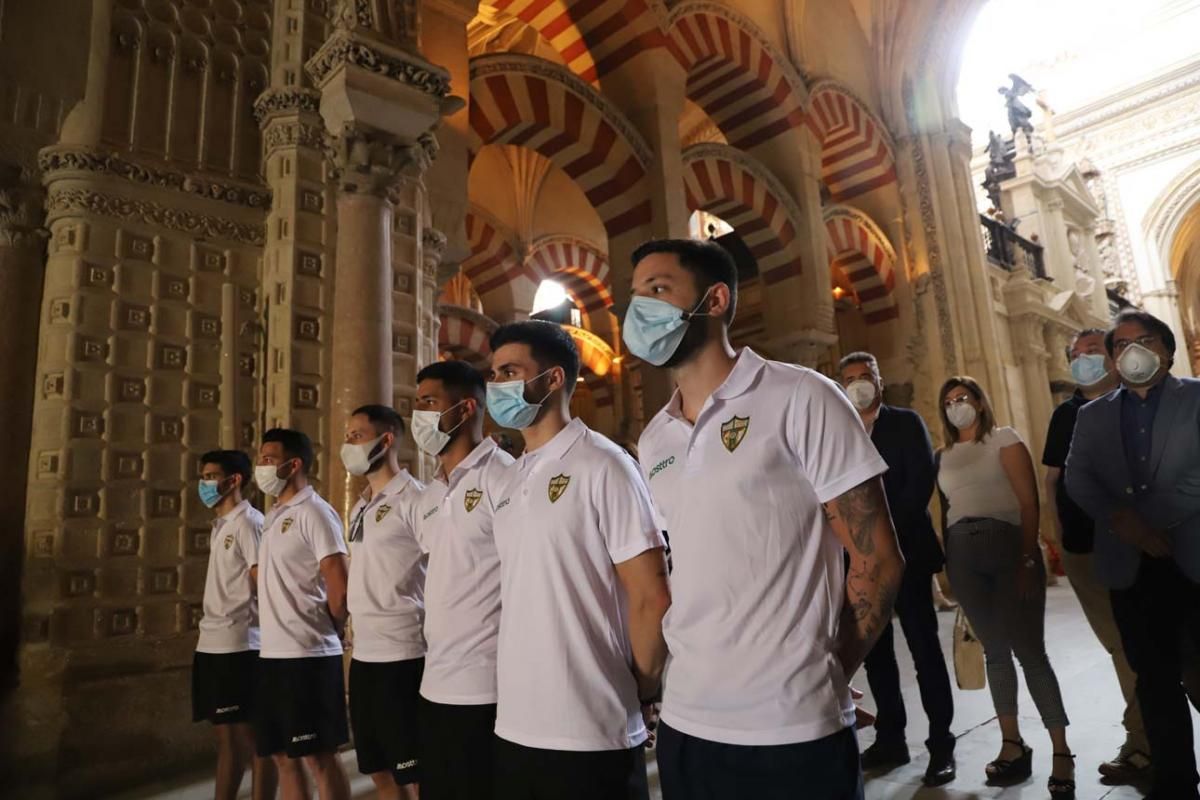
<point>286,101</point>
<point>78,159</point>
<point>76,201</point>
<point>21,213</point>
<point>293,134</point>
<point>368,161</point>
<point>344,49</point>
<point>433,247</point>
<point>933,251</point>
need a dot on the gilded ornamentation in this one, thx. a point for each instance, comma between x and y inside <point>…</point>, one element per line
<point>341,48</point>
<point>60,159</point>
<point>73,201</point>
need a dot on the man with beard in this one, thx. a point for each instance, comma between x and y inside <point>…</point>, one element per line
<point>583,587</point>
<point>765,477</point>
<point>386,603</point>
<point>462,586</point>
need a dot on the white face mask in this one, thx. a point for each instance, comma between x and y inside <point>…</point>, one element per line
<point>267,478</point>
<point>357,459</point>
<point>962,415</point>
<point>862,393</point>
<point>1138,364</point>
<point>426,433</point>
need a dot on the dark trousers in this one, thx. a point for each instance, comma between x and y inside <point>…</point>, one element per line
<point>530,773</point>
<point>458,751</point>
<point>696,769</point>
<point>1154,615</point>
<point>918,618</point>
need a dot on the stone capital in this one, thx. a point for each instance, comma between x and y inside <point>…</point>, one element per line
<point>288,100</point>
<point>803,347</point>
<point>22,209</point>
<point>372,162</point>
<point>433,247</point>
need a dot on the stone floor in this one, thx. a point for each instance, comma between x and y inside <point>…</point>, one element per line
<point>1089,687</point>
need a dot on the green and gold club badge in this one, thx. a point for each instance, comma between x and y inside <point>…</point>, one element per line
<point>733,431</point>
<point>471,499</point>
<point>382,512</point>
<point>558,485</point>
<point>287,523</point>
<point>228,540</point>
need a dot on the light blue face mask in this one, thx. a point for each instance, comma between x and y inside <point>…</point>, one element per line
<point>654,328</point>
<point>507,404</point>
<point>1089,369</point>
<point>210,493</point>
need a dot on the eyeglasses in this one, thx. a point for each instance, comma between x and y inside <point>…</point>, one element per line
<point>1144,341</point>
<point>957,401</point>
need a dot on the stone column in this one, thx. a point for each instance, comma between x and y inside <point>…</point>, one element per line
<point>22,259</point>
<point>1099,298</point>
<point>381,104</point>
<point>1057,257</point>
<point>1164,304</point>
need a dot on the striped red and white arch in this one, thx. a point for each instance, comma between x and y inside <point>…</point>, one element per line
<point>856,154</point>
<point>858,248</point>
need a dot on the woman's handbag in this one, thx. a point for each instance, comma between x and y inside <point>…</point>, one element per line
<point>969,667</point>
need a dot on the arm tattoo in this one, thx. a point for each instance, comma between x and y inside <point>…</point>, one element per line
<point>860,509</point>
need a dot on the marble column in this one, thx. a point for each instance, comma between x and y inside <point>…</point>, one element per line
<point>381,103</point>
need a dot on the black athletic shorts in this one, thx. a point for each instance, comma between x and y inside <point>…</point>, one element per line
<point>301,706</point>
<point>383,713</point>
<point>223,686</point>
<point>457,751</point>
<point>690,768</point>
<point>529,773</point>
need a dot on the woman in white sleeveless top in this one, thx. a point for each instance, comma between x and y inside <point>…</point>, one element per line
<point>990,507</point>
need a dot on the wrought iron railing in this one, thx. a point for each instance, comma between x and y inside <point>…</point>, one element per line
<point>1010,251</point>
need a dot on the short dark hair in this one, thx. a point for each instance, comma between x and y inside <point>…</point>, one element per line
<point>549,343</point>
<point>1148,321</point>
<point>708,262</point>
<point>860,357</point>
<point>231,462</point>
<point>1085,332</point>
<point>296,444</point>
<point>458,377</point>
<point>385,418</point>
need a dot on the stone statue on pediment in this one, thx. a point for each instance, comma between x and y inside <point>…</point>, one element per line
<point>1019,114</point>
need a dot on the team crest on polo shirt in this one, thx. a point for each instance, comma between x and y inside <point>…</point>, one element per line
<point>558,485</point>
<point>382,512</point>
<point>287,523</point>
<point>471,499</point>
<point>733,431</point>
<point>228,540</point>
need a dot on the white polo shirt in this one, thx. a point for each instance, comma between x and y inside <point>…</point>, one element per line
<point>386,595</point>
<point>564,515</point>
<point>230,622</point>
<point>291,592</point>
<point>462,586</point>
<point>758,581</point>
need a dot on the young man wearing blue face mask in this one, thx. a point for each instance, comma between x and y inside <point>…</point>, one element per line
<point>225,665</point>
<point>583,586</point>
<point>1095,376</point>
<point>462,585</point>
<point>1133,467</point>
<point>386,600</point>
<point>765,477</point>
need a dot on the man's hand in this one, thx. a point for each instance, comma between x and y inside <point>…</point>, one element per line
<point>650,712</point>
<point>861,521</point>
<point>1132,529</point>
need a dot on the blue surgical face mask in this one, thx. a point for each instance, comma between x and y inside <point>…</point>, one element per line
<point>1089,369</point>
<point>210,493</point>
<point>654,328</point>
<point>507,404</point>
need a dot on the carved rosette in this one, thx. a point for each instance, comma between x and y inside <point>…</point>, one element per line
<point>21,212</point>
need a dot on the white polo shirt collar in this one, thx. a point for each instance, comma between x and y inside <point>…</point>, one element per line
<point>746,368</point>
<point>555,449</point>
<point>231,515</point>
<point>481,452</point>
<point>298,498</point>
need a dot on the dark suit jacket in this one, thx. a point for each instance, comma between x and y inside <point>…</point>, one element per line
<point>1098,480</point>
<point>902,439</point>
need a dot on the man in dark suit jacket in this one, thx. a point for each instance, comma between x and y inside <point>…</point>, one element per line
<point>903,440</point>
<point>1134,467</point>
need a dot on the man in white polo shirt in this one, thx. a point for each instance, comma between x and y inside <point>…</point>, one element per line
<point>224,669</point>
<point>462,587</point>
<point>301,704</point>
<point>387,605</point>
<point>765,477</point>
<point>583,587</point>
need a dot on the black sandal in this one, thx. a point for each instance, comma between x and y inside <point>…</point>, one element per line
<point>1062,788</point>
<point>1005,772</point>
